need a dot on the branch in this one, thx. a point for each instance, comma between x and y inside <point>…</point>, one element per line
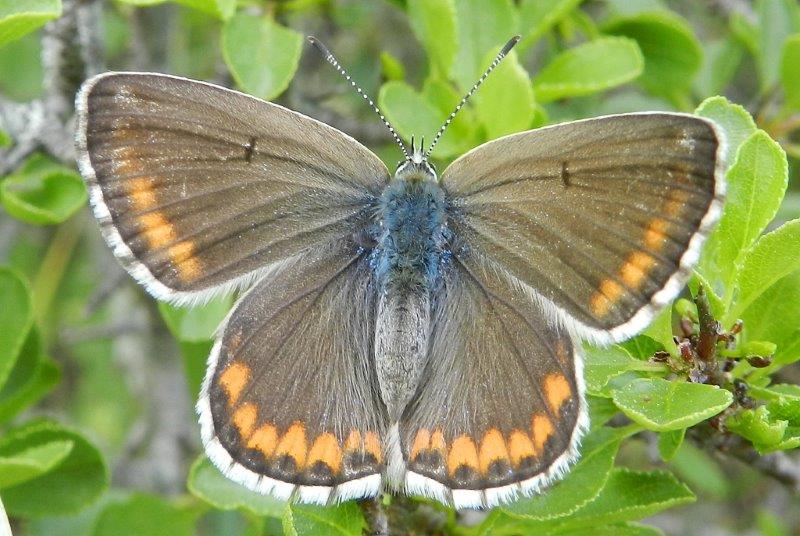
<point>71,51</point>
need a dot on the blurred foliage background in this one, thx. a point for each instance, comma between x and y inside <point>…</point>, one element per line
<point>98,381</point>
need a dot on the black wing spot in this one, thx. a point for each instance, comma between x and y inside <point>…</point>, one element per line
<point>249,149</point>
<point>565,175</point>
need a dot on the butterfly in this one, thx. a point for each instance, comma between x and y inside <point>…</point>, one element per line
<point>411,332</point>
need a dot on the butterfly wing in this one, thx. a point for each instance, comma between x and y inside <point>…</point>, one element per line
<point>290,404</point>
<point>500,409</point>
<point>198,188</point>
<point>601,220</point>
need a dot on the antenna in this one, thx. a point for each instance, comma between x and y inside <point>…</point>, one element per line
<point>503,52</point>
<point>336,65</point>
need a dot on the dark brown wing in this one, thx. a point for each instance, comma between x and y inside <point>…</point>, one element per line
<point>601,220</point>
<point>197,188</point>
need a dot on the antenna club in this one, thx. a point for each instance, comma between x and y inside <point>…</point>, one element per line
<point>318,45</point>
<point>511,44</point>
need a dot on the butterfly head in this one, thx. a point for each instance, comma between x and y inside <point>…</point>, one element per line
<point>416,167</point>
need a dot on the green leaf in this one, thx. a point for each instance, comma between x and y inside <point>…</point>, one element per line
<point>72,484</point>
<point>16,319</point>
<point>195,324</point>
<point>207,483</point>
<point>32,462</point>
<point>33,376</point>
<point>777,20</point>
<point>785,409</point>
<point>505,102</point>
<point>756,183</point>
<point>774,256</point>
<point>42,192</point>
<point>5,140</point>
<point>790,74</point>
<point>663,405</point>
<point>221,9</point>
<point>538,16</point>
<point>672,54</point>
<point>261,55</point>
<point>391,68</point>
<point>602,364</point>
<point>669,443</point>
<point>660,329</point>
<point>758,426</point>
<point>343,520</point>
<point>700,471</point>
<point>20,17</point>
<point>413,114</point>
<point>601,410</point>
<point>743,29</point>
<point>722,60</point>
<point>622,529</point>
<point>642,346</point>
<point>714,301</point>
<point>773,317</point>
<point>734,120</point>
<point>434,24</point>
<point>146,515</point>
<point>583,483</point>
<point>589,68</point>
<point>483,26</point>
<point>631,495</point>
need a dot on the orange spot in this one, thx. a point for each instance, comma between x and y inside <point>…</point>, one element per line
<point>372,445</point>
<point>655,234</point>
<point>326,450</point>
<point>353,441</point>
<point>438,442</point>
<point>293,443</point>
<point>422,441</point>
<point>676,201</point>
<point>264,439</point>
<point>182,257</point>
<point>608,294</point>
<point>462,452</point>
<point>636,268</point>
<point>141,192</point>
<point>493,447</point>
<point>233,380</point>
<point>557,390</point>
<point>520,447</point>
<point>157,230</point>
<point>542,430</point>
<point>244,419</point>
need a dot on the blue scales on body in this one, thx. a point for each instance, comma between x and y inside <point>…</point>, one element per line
<point>408,260</point>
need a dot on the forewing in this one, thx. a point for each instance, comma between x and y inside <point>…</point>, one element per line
<point>290,403</point>
<point>601,220</point>
<point>500,409</point>
<point>198,187</point>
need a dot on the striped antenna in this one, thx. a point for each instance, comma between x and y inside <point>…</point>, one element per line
<point>336,65</point>
<point>503,53</point>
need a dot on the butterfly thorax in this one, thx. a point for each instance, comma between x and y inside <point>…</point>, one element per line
<point>408,263</point>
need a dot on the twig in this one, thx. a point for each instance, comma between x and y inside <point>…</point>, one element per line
<point>377,520</point>
<point>71,51</point>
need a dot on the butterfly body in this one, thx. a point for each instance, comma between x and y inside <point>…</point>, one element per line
<point>409,260</point>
